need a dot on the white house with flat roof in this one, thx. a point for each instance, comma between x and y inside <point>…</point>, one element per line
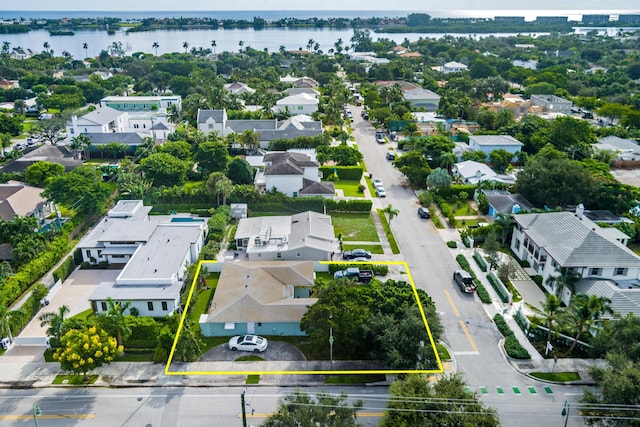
<point>155,251</point>
<point>304,236</point>
<point>141,103</point>
<point>302,103</point>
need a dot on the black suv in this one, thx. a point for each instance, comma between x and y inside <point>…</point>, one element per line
<point>423,213</point>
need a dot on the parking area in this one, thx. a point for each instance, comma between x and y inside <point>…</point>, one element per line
<point>74,293</point>
<point>277,351</point>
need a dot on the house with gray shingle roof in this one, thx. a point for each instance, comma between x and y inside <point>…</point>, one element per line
<point>266,298</point>
<point>502,203</point>
<point>555,243</point>
<point>294,174</point>
<point>268,130</point>
<point>18,199</point>
<point>304,236</point>
<point>624,149</point>
<point>102,120</point>
<point>489,143</point>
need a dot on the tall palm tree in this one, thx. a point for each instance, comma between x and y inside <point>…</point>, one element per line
<point>249,139</point>
<point>185,45</point>
<point>551,314</point>
<point>213,45</point>
<point>585,312</point>
<point>156,45</point>
<point>240,44</point>
<point>112,320</point>
<point>224,186</point>
<point>46,46</point>
<point>55,321</point>
<point>85,46</point>
<point>391,213</point>
<point>6,319</point>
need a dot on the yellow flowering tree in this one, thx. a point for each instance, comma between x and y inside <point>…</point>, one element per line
<point>83,350</point>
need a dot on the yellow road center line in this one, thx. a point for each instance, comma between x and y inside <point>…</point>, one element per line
<point>466,332</point>
<point>453,306</point>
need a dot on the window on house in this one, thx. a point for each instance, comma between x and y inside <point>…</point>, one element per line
<point>517,244</point>
<point>279,255</point>
<point>595,272</point>
<point>298,254</point>
<point>99,252</point>
<point>103,305</point>
<point>165,307</point>
<point>210,125</point>
<point>620,271</point>
<point>543,258</point>
<point>150,305</point>
<point>88,252</point>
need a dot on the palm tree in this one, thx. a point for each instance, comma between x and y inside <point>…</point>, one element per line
<point>80,143</point>
<point>391,213</point>
<point>213,45</point>
<point>156,45</point>
<point>584,312</point>
<point>6,319</point>
<point>564,278</point>
<point>224,186</point>
<point>551,314</point>
<point>185,45</point>
<point>46,46</point>
<point>174,114</point>
<point>249,139</point>
<point>112,320</point>
<point>310,44</point>
<point>240,44</point>
<point>55,321</point>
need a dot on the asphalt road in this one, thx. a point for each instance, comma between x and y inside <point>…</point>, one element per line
<point>162,407</point>
<point>469,330</point>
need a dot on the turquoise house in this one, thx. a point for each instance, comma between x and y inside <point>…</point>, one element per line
<point>264,298</point>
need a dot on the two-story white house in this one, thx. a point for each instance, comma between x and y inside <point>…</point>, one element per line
<point>558,243</point>
<point>294,174</point>
<point>302,103</point>
<point>102,120</point>
<point>155,251</point>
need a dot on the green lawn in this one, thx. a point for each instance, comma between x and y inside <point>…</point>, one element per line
<point>463,209</point>
<point>355,226</point>
<point>372,190</point>
<point>249,358</point>
<point>350,188</point>
<point>560,377</point>
<point>190,185</point>
<point>84,315</point>
<point>374,249</point>
<point>443,352</point>
<point>74,379</point>
<point>462,223</point>
<point>203,298</point>
<point>253,379</point>
<point>392,240</point>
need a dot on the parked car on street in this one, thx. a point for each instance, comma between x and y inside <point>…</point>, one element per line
<point>252,343</point>
<point>465,281</point>
<point>391,156</point>
<point>381,192</point>
<point>356,253</point>
<point>423,212</point>
<point>377,182</point>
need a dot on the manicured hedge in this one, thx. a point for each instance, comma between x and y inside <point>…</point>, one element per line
<point>502,293</point>
<point>454,190</point>
<point>351,173</point>
<point>15,285</point>
<point>293,205</point>
<point>144,333</point>
<point>511,344</point>
<point>480,261</point>
<point>65,269</point>
<point>480,289</point>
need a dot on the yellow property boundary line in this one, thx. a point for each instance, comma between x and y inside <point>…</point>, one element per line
<point>330,372</point>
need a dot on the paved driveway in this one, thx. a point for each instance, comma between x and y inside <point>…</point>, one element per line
<point>277,351</point>
<point>74,293</point>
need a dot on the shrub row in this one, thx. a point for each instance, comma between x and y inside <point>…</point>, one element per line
<point>65,269</point>
<point>480,289</point>
<point>453,191</point>
<point>351,173</point>
<point>511,344</point>
<point>15,285</point>
<point>317,204</point>
<point>300,142</point>
<point>452,244</point>
<point>502,293</point>
<point>378,269</point>
<point>480,260</point>
<point>29,309</point>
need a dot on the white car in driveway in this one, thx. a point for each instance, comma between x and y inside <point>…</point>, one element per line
<point>252,343</point>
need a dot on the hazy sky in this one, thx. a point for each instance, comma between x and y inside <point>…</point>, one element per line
<point>158,5</point>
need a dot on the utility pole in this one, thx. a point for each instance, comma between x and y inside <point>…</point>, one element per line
<point>244,411</point>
